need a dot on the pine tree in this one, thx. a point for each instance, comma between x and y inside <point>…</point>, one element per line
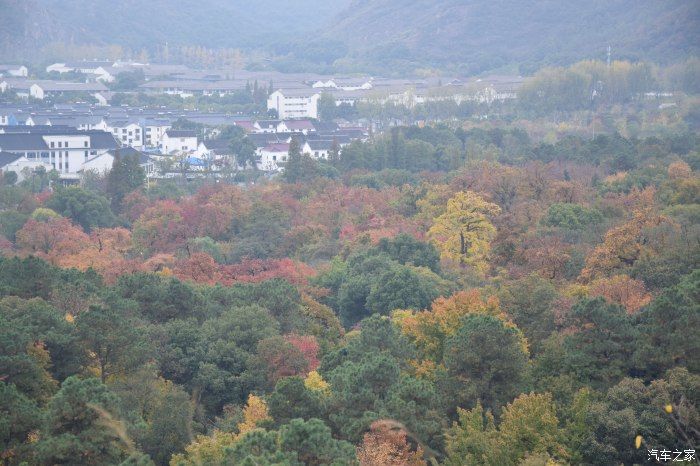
<point>293,170</point>
<point>126,176</point>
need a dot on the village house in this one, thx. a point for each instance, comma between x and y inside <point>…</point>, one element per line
<point>63,149</point>
<point>176,141</point>
<point>103,162</point>
<point>17,71</point>
<point>127,132</point>
<point>20,164</point>
<point>318,148</point>
<point>294,103</point>
<point>273,156</point>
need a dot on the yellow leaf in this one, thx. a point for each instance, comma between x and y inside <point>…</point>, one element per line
<point>668,408</point>
<point>638,442</point>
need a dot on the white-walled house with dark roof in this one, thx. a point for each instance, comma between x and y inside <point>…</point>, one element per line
<point>294,103</point>
<point>62,149</point>
<point>178,141</point>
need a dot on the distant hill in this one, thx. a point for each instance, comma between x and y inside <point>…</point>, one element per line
<point>465,36</point>
<point>487,34</point>
<point>140,24</point>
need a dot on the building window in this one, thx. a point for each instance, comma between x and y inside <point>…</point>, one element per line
<point>60,144</point>
<point>86,155</point>
<point>86,144</point>
<point>52,144</point>
<point>66,143</point>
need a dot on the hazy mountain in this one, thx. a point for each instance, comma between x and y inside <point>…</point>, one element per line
<point>147,23</point>
<point>484,34</point>
<point>468,36</point>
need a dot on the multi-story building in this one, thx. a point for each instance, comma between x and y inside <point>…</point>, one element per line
<point>294,103</point>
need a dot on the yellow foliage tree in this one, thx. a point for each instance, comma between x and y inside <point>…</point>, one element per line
<point>463,233</point>
<point>209,449</point>
<point>206,449</point>
<point>529,425</point>
<point>622,246</point>
<point>315,382</point>
<point>255,412</point>
<point>430,329</point>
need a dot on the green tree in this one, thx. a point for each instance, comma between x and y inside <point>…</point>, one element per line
<point>87,209</point>
<point>117,341</point>
<point>598,351</point>
<point>486,360</point>
<point>292,399</point>
<point>125,176</point>
<point>19,416</point>
<point>82,427</point>
<point>664,327</point>
<point>293,170</point>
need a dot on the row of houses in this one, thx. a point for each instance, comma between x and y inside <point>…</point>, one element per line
<point>73,138</point>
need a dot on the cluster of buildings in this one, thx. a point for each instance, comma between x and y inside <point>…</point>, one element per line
<point>74,138</point>
<point>290,95</point>
<point>80,135</point>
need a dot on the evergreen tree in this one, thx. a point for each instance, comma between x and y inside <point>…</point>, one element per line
<point>293,170</point>
<point>126,176</point>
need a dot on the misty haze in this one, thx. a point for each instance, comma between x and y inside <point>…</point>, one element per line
<point>349,232</point>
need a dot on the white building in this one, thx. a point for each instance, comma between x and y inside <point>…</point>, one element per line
<point>63,150</point>
<point>128,133</point>
<point>153,132</point>
<point>179,141</point>
<point>42,89</point>
<point>272,155</point>
<point>317,149</point>
<point>103,163</point>
<point>18,71</point>
<point>19,164</point>
<point>294,103</point>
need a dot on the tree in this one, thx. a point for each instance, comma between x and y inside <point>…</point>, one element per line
<point>85,208</point>
<point>529,425</point>
<point>631,408</point>
<point>280,358</point>
<point>125,176</point>
<point>24,362</point>
<point>293,399</point>
<point>530,302</point>
<point>473,440</point>
<point>82,427</point>
<point>622,246</point>
<point>430,329</point>
<point>9,178</point>
<point>463,233</point>
<point>599,344</point>
<point>664,325</point>
<point>486,360</point>
<point>19,418</point>
<point>293,170</point>
<point>159,413</point>
<point>314,445</point>
<point>255,412</point>
<point>623,290</point>
<point>385,444</point>
<point>117,342</point>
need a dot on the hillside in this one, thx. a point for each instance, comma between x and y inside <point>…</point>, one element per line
<point>136,24</point>
<point>486,34</point>
<point>380,36</point>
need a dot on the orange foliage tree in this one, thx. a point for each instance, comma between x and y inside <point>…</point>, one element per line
<point>623,290</point>
<point>386,445</point>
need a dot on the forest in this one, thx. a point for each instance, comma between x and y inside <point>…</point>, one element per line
<point>483,293</point>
